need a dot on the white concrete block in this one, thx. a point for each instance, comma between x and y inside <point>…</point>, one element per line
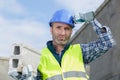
<point>23,55</point>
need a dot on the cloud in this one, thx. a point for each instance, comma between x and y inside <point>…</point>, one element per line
<point>26,30</point>
<point>23,31</point>
<point>80,5</point>
<point>11,6</point>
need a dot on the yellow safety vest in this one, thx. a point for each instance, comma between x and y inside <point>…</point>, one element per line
<point>72,66</point>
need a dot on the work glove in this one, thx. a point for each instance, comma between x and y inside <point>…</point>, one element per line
<point>87,17</point>
<point>26,73</point>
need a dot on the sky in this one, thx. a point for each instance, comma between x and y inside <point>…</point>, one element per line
<point>26,21</point>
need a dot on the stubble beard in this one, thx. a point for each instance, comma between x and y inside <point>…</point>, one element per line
<point>57,41</point>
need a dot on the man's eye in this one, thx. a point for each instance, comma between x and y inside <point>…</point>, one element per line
<point>67,29</point>
<point>58,27</point>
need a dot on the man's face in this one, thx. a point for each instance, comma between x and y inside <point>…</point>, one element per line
<point>61,33</point>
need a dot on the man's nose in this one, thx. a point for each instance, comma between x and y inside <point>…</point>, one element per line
<point>62,32</point>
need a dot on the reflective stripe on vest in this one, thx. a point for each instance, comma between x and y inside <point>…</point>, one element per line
<point>69,74</point>
<point>56,77</point>
<point>74,74</point>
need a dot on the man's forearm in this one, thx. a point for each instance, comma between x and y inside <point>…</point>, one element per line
<point>103,31</point>
<point>95,49</point>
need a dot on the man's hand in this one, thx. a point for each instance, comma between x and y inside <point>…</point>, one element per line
<point>26,73</point>
<point>87,17</point>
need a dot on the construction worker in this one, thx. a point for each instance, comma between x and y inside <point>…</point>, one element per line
<point>61,60</point>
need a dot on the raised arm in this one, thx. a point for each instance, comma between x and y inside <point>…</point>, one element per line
<point>95,49</point>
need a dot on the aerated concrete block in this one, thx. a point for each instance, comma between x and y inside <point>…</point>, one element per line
<point>22,56</point>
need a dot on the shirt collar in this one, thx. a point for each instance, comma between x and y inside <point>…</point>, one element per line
<point>52,48</point>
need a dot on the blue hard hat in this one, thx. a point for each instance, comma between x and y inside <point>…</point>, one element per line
<point>63,16</point>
